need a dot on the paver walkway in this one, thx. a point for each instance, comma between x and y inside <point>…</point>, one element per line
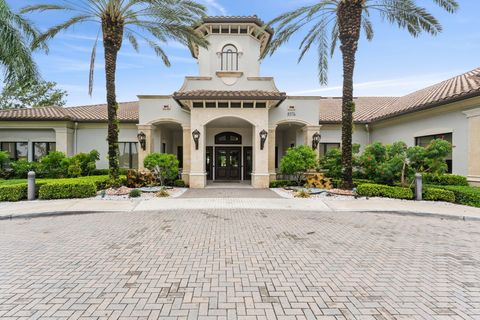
<point>239,264</point>
<point>230,193</point>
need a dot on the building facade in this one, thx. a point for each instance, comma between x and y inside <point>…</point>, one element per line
<point>229,123</point>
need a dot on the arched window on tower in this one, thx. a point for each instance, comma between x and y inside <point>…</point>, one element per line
<point>229,57</point>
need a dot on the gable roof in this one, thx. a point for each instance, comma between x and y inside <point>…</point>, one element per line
<point>365,108</point>
<point>371,109</point>
<point>229,95</point>
<point>127,112</point>
<point>461,87</point>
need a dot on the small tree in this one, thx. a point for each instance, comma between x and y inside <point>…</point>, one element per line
<point>164,165</point>
<point>32,94</point>
<point>297,161</point>
<point>331,162</point>
<point>431,158</point>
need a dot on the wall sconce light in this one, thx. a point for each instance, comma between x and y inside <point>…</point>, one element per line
<point>263,138</point>
<point>142,139</point>
<point>316,140</point>
<point>196,138</point>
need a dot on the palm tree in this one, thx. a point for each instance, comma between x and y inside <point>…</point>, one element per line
<point>330,21</point>
<point>16,37</point>
<point>152,21</point>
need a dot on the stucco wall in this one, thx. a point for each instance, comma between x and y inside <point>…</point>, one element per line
<point>332,133</point>
<point>94,136</point>
<point>249,53</point>
<point>305,110</point>
<point>154,108</point>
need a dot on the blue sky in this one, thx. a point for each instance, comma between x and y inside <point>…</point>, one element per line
<point>392,64</point>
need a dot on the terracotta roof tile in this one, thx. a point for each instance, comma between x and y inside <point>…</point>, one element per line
<point>460,87</point>
<point>232,95</point>
<point>365,107</point>
<point>47,113</point>
<point>127,112</point>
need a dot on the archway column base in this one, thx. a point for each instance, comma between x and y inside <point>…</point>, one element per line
<point>260,180</point>
<point>197,180</point>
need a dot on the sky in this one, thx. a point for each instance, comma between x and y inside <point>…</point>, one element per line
<point>393,64</point>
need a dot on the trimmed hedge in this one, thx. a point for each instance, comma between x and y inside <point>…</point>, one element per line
<point>13,192</point>
<point>105,172</point>
<point>282,183</point>
<point>436,194</point>
<point>469,196</point>
<point>179,184</point>
<point>67,190</point>
<point>445,179</point>
<point>17,192</point>
<point>378,190</point>
<point>356,182</point>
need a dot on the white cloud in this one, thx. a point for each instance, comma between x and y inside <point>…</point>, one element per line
<point>215,6</point>
<point>387,87</point>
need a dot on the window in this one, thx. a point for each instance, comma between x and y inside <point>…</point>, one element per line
<point>325,147</point>
<point>229,57</point>
<point>41,149</point>
<point>128,155</point>
<point>16,150</point>
<point>425,141</point>
<point>228,138</point>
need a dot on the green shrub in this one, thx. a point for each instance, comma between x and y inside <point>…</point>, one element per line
<point>135,193</point>
<point>22,167</point>
<point>297,161</point>
<point>282,183</point>
<point>445,179</point>
<point>356,182</point>
<point>162,193</point>
<point>50,166</point>
<point>105,172</point>
<point>164,165</point>
<point>435,194</point>
<point>67,190</point>
<point>331,162</point>
<point>14,192</point>
<point>302,194</point>
<point>469,196</point>
<point>378,190</point>
<point>179,183</point>
<point>81,164</point>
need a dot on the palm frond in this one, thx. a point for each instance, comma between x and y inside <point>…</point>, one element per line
<point>91,74</point>
<point>52,32</point>
<point>16,35</point>
<point>407,15</point>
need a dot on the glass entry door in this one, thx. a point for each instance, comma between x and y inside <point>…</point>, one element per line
<point>228,163</point>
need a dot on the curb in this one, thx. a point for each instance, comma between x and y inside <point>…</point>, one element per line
<point>421,214</point>
<point>394,212</point>
<point>52,214</point>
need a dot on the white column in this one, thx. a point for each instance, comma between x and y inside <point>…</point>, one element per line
<point>198,174</point>
<point>148,130</point>
<point>64,140</point>
<point>260,174</point>
<point>473,117</point>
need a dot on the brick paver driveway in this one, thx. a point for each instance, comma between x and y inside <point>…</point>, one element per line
<point>239,264</point>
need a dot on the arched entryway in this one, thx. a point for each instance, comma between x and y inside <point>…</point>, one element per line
<point>229,152</point>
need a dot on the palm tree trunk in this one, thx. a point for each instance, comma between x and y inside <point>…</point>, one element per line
<point>349,17</point>
<point>112,42</point>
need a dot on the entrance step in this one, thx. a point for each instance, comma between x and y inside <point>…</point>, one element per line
<point>230,193</point>
<point>229,185</point>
